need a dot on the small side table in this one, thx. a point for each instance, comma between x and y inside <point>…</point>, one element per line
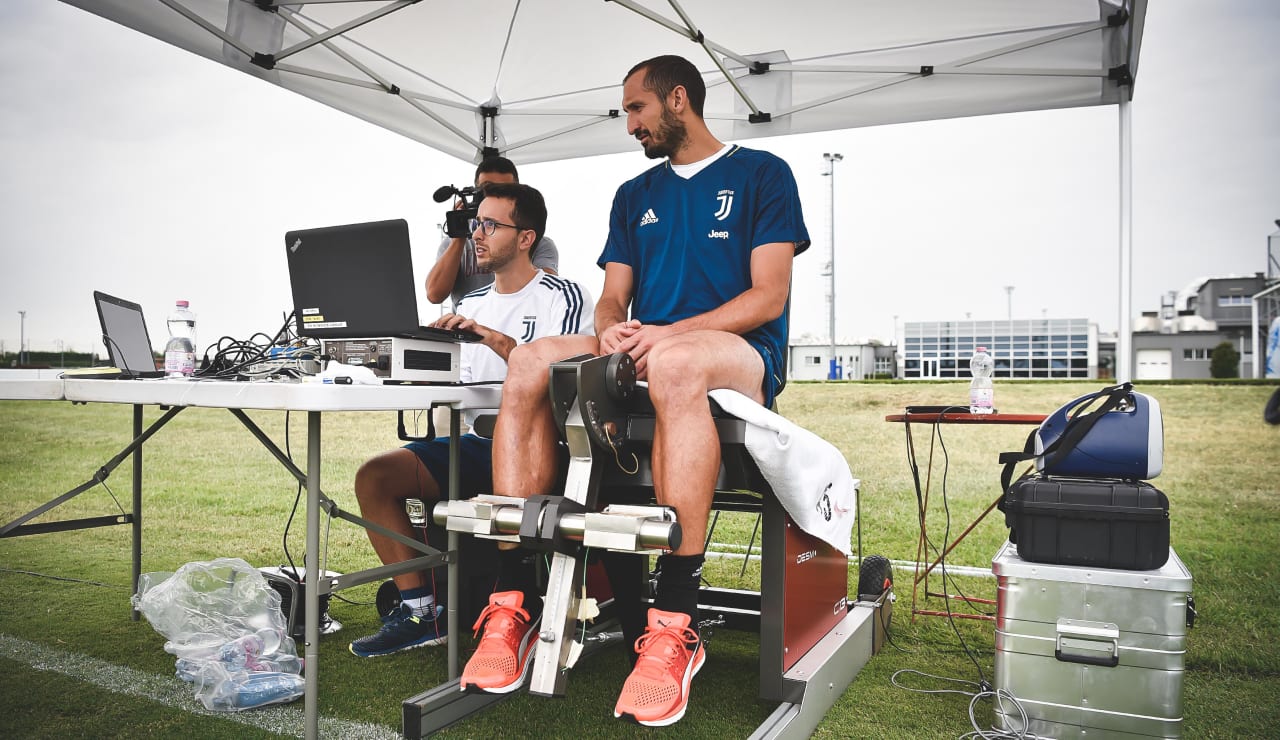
<point>922,498</point>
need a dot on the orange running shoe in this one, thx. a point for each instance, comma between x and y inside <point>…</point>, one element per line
<point>502,659</point>
<point>657,691</point>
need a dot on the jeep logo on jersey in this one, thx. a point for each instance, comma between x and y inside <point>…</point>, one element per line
<point>713,234</point>
<point>530,324</point>
<point>726,204</point>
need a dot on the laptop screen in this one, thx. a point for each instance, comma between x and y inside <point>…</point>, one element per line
<point>352,281</point>
<point>124,332</point>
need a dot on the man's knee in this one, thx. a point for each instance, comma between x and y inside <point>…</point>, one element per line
<point>386,476</point>
<point>525,363</point>
<point>371,479</point>
<point>528,364</point>
<point>677,368</point>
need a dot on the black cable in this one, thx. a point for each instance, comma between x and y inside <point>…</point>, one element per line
<point>947,535</point>
<point>119,354</point>
<point>233,356</point>
<point>1000,696</point>
<point>296,498</point>
<point>942,559</point>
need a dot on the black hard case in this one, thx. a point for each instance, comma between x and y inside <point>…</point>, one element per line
<point>1098,523</point>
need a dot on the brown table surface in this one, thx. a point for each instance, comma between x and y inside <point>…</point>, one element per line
<point>967,418</point>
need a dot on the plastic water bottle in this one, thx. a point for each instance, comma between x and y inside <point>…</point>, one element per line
<point>241,652</point>
<point>981,394</point>
<point>249,690</point>
<point>180,350</point>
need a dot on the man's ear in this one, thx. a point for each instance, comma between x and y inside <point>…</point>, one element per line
<point>678,99</point>
<point>526,239</point>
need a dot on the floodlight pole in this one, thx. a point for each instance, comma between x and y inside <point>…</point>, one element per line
<point>831,159</point>
<point>22,338</point>
<point>1008,289</point>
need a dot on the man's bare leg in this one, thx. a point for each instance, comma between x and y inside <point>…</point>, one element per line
<point>524,440</point>
<point>382,484</point>
<point>686,450</point>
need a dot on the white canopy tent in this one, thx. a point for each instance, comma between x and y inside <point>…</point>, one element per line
<point>540,80</point>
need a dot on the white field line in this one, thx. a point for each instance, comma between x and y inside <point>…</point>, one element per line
<point>735,552</point>
<point>172,692</point>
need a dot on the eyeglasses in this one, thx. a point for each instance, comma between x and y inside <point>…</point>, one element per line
<point>490,226</point>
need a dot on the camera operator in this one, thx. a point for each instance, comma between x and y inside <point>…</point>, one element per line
<point>455,272</point>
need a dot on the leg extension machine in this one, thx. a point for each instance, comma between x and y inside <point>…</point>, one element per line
<point>813,638</point>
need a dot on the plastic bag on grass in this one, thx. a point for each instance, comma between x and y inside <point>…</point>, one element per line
<point>220,689</point>
<point>223,622</point>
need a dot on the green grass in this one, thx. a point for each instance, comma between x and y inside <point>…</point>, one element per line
<point>212,491</point>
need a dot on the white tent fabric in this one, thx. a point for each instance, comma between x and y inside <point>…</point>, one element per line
<point>540,80</point>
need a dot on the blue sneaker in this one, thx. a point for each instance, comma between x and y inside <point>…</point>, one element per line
<point>402,630</point>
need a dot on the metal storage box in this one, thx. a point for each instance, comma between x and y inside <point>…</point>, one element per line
<point>1091,652</point>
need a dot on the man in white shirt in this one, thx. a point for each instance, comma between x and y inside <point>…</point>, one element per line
<point>522,304</point>
<point>456,271</point>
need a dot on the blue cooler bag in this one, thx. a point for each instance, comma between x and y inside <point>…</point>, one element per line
<point>1122,438</point>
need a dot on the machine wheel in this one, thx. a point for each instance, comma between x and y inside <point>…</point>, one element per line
<point>620,376</point>
<point>1272,412</point>
<point>875,576</point>
<point>388,599</point>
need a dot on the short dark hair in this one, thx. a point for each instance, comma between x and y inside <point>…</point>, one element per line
<point>496,165</point>
<point>667,72</point>
<point>528,209</point>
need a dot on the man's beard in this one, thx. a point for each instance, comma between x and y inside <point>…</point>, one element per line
<point>497,261</point>
<point>669,138</point>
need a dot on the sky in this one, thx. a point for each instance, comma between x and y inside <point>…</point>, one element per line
<point>141,170</point>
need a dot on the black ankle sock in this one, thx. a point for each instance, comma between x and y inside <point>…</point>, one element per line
<point>679,577</point>
<point>517,571</point>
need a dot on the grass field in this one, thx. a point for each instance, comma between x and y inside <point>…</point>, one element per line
<point>72,663</point>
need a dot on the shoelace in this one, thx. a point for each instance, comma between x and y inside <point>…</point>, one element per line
<point>681,635</point>
<point>494,610</point>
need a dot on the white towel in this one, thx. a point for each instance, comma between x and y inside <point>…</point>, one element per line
<point>808,474</point>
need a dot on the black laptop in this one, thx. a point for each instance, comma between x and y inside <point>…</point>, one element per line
<point>124,332</point>
<point>356,281</point>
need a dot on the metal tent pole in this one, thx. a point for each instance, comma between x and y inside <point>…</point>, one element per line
<point>1124,336</point>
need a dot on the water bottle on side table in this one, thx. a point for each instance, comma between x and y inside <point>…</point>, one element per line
<point>180,351</point>
<point>981,394</point>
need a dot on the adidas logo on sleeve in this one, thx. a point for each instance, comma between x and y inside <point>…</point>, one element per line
<point>649,217</point>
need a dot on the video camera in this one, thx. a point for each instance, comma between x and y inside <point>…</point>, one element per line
<point>455,220</point>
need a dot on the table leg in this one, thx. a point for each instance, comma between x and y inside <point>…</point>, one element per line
<point>137,506</point>
<point>311,692</point>
<point>455,486</point>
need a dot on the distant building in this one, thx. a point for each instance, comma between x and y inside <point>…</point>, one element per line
<point>810,359</point>
<point>1021,348</point>
<point>1178,340</point>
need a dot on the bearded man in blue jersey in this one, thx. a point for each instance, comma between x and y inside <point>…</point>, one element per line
<point>697,276</point>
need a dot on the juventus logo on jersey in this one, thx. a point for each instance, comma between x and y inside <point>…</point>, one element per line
<point>726,204</point>
<point>530,324</point>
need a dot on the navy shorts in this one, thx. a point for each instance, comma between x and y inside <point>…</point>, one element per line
<point>773,373</point>
<point>475,454</point>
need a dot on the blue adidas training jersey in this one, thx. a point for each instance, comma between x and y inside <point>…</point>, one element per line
<point>689,242</point>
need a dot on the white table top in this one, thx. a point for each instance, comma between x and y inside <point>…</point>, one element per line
<point>292,396</point>
<point>30,385</point>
